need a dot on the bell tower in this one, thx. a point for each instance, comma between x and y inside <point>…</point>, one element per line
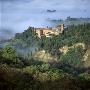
<point>60,28</point>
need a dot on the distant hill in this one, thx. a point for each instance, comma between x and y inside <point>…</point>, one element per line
<point>69,21</point>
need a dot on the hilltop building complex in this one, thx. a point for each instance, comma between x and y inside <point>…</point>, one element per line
<point>48,32</point>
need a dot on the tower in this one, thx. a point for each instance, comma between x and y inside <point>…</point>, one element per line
<point>60,28</point>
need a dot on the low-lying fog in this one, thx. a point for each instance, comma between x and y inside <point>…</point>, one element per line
<point>17,15</point>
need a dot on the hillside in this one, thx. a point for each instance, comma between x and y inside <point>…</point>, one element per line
<point>58,63</point>
<point>44,56</point>
<point>74,38</point>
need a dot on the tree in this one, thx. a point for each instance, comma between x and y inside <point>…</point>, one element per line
<point>85,76</point>
<point>9,53</point>
<point>73,58</point>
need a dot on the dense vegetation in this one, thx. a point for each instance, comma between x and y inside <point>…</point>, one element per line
<point>67,73</point>
<point>71,35</point>
<point>25,39</point>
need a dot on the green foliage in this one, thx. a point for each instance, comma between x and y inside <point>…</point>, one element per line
<point>26,39</point>
<point>28,74</point>
<point>16,79</point>
<point>85,76</point>
<point>9,53</point>
<point>0,53</point>
<point>73,58</point>
<point>33,69</point>
<point>44,72</point>
<point>72,35</point>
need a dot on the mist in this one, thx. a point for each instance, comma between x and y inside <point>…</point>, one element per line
<point>17,15</point>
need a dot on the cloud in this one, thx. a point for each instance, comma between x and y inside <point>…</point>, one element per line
<point>6,34</point>
<point>19,14</point>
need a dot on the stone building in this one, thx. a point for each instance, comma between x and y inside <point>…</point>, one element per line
<point>48,32</point>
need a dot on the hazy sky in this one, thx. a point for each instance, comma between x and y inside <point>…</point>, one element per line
<point>17,15</point>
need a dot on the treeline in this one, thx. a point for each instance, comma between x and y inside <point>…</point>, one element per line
<point>26,39</point>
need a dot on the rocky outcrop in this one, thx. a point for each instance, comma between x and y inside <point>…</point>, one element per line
<point>65,49</point>
<point>86,58</point>
<point>44,56</point>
